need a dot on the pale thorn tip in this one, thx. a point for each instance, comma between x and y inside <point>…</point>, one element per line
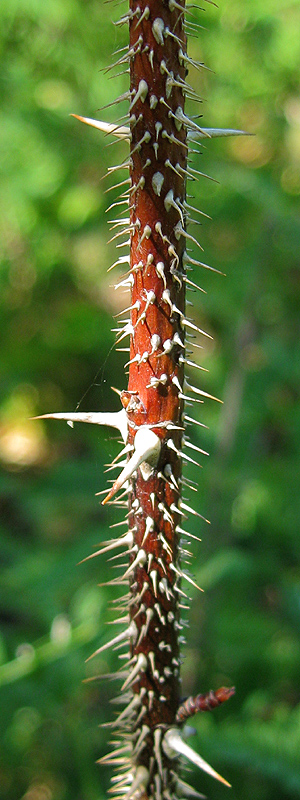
<point>147,446</point>
<point>126,539</point>
<point>214,133</point>
<point>174,745</point>
<point>114,419</point>
<point>139,783</point>
<point>130,633</point>
<point>121,132</point>
<point>140,666</point>
<point>202,393</point>
<point>187,790</point>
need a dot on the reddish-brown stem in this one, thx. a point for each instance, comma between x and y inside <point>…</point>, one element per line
<point>203,702</point>
<point>152,419</point>
<point>155,372</point>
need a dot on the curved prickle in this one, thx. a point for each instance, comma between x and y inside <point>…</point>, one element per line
<point>174,746</point>
<point>147,448</point>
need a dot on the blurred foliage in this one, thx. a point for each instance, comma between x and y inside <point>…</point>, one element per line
<point>56,311</point>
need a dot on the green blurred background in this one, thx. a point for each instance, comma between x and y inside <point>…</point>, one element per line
<point>57,303</point>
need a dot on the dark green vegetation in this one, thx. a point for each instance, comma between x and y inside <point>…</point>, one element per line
<point>56,316</point>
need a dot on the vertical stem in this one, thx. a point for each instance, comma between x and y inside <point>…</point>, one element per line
<point>157,194</point>
<point>152,419</point>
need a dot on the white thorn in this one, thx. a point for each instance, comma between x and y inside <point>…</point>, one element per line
<point>184,120</point>
<point>157,749</point>
<point>147,446</point>
<point>171,138</point>
<point>145,15</point>
<point>151,56</point>
<point>214,133</point>
<point>192,284</point>
<point>168,164</point>
<point>157,182</point>
<point>160,614</point>
<point>167,346</point>
<point>158,28</point>
<point>140,666</point>
<point>169,202</point>
<point>133,705</point>
<point>182,574</point>
<point>180,231</point>
<point>149,528</point>
<point>140,744</point>
<point>187,790</point>
<point>145,235</point>
<point>155,341</point>
<point>128,330</point>
<point>138,561</point>
<point>112,758</point>
<point>172,446</point>
<point>166,297</point>
<point>151,657</point>
<point>121,131</point>
<point>139,784</point>
<point>176,383</point>
<point>145,138</point>
<point>180,530</point>
<point>194,421</point>
<point>141,93</point>
<point>164,588</point>
<point>120,260</point>
<point>158,230</point>
<point>192,511</point>
<point>160,269</point>
<point>114,419</point>
<point>158,127</point>
<point>153,101</point>
<point>174,745</point>
<point>153,576</point>
<point>163,68</point>
<point>129,633</point>
<point>178,340</point>
<point>187,259</point>
<point>142,713</point>
<point>144,628</point>
<point>188,324</point>
<point>127,539</point>
<point>150,298</point>
<point>169,474</point>
<point>185,443</point>
<point>202,393</point>
<point>164,511</point>
<point>184,455</point>
<point>173,5</point>
<point>126,18</point>
<point>150,559</point>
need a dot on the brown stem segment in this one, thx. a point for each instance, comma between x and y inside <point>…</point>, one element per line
<point>158,159</point>
<point>203,702</point>
<point>150,725</point>
<point>149,728</point>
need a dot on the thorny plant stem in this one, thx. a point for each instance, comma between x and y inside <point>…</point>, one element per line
<point>155,384</point>
<point>154,400</point>
<point>148,732</point>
